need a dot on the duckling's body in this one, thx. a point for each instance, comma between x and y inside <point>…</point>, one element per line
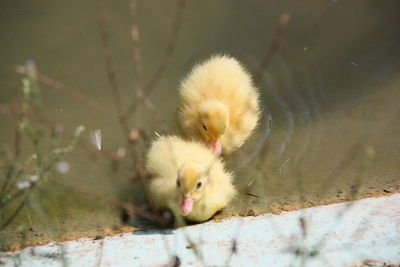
<point>219,103</point>
<point>187,176</point>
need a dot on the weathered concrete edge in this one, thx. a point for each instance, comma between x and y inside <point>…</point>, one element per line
<point>341,234</point>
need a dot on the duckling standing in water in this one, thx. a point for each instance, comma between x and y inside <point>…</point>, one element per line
<point>219,104</point>
<point>187,176</point>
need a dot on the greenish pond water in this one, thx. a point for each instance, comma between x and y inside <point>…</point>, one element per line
<point>330,95</point>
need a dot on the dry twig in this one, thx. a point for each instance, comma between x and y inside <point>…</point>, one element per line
<point>169,50</point>
<point>275,45</point>
<point>73,92</point>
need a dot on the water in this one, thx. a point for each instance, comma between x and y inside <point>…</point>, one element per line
<point>329,95</point>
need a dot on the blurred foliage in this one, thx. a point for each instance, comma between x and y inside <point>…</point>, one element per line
<point>23,171</point>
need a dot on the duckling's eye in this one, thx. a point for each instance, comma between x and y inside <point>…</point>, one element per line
<point>198,185</point>
<point>204,127</point>
<point>178,183</point>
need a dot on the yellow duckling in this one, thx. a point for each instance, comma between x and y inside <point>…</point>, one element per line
<point>219,103</point>
<point>187,176</point>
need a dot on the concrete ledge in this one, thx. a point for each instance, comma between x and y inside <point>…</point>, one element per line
<point>342,234</point>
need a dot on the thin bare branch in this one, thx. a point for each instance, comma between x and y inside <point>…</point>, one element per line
<point>130,208</point>
<point>111,75</point>
<point>14,110</point>
<point>13,215</point>
<point>138,81</point>
<point>17,152</point>
<point>169,50</point>
<point>108,57</point>
<point>51,123</point>
<point>17,142</point>
<point>138,66</point>
<point>68,90</point>
<point>275,45</point>
<point>136,51</point>
<point>138,85</point>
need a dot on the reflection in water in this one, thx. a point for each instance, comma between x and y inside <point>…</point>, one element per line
<point>249,150</point>
<point>285,109</point>
<point>329,94</point>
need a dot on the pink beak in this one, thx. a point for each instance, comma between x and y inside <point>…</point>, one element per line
<point>216,147</point>
<point>186,205</point>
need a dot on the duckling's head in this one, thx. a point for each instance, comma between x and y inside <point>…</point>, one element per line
<point>192,185</point>
<point>212,123</point>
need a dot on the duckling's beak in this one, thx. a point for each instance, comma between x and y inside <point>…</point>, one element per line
<point>216,146</point>
<point>186,205</point>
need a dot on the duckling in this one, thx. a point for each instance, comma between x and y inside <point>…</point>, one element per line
<point>219,104</point>
<point>186,175</point>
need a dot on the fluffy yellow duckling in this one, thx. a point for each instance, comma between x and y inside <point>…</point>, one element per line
<point>188,176</point>
<point>219,103</point>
